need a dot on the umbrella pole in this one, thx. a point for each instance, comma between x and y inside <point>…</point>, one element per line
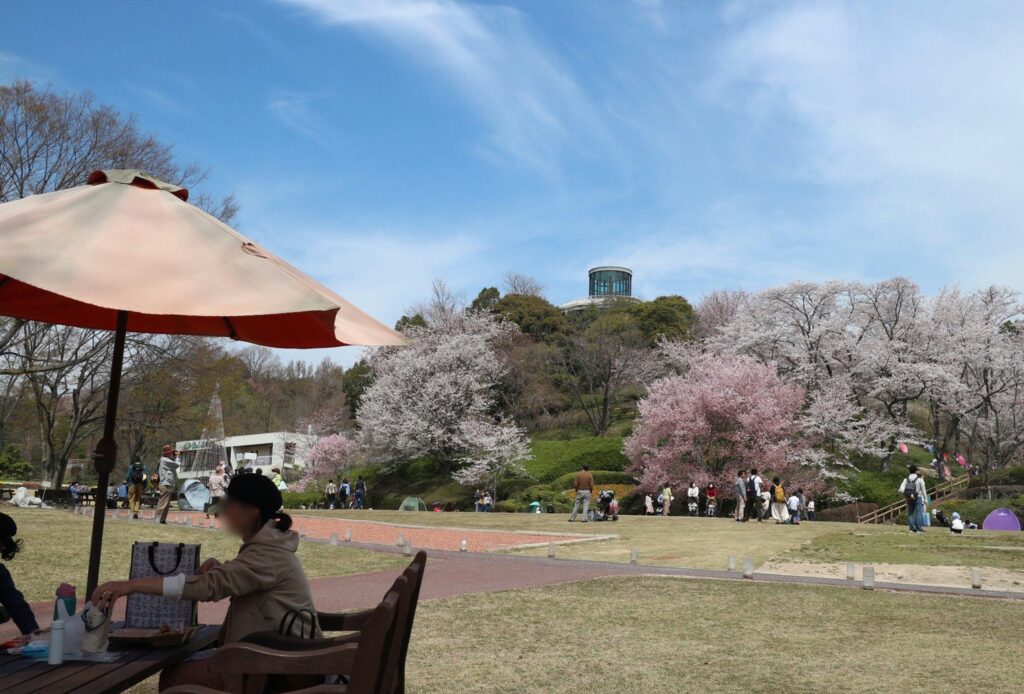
<point>105,455</point>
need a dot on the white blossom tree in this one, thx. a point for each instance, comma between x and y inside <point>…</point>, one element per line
<point>498,451</point>
<point>426,395</point>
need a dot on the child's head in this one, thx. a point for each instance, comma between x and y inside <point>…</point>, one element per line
<point>8,545</point>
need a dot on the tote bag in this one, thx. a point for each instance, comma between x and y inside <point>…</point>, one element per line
<point>156,560</point>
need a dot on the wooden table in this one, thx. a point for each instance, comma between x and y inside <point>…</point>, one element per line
<point>20,675</point>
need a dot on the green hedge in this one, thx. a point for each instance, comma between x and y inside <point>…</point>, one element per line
<point>567,480</point>
<point>554,458</point>
<point>976,509</point>
<point>300,499</point>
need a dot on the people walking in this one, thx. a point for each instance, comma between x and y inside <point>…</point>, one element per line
<point>168,480</point>
<point>666,499</point>
<point>136,486</point>
<point>778,501</point>
<point>218,486</point>
<point>693,499</point>
<point>648,504</point>
<point>360,492</point>
<point>477,496</point>
<point>584,487</point>
<point>331,492</point>
<point>913,490</point>
<point>711,494</point>
<point>794,508</point>
<point>753,496</point>
<point>739,488</point>
<point>810,509</point>
<point>344,492</point>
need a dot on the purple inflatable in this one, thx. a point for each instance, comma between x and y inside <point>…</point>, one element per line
<point>1001,519</point>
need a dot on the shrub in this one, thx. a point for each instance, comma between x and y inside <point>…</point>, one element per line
<point>845,514</point>
<point>976,509</point>
<point>601,478</point>
<point>554,458</point>
<point>301,499</point>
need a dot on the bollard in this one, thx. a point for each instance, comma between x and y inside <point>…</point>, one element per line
<point>348,534</point>
<point>334,539</point>
<point>551,550</point>
<point>748,568</point>
<point>407,549</point>
<point>464,545</point>
<point>633,556</point>
<point>869,577</point>
<point>188,521</point>
<point>732,563</point>
<point>976,579</point>
<point>400,541</point>
<point>851,571</point>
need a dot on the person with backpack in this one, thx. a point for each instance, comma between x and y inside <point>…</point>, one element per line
<point>913,490</point>
<point>754,496</point>
<point>137,477</point>
<point>778,501</point>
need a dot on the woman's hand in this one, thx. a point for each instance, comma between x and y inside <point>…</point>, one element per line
<point>106,594</point>
<point>208,564</point>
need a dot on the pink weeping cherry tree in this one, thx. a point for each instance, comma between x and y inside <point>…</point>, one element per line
<point>728,412</point>
<point>327,459</point>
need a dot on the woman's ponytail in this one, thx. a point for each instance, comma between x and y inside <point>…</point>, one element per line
<point>283,521</point>
<point>9,547</point>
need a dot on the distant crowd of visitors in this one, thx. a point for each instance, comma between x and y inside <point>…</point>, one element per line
<point>346,495</point>
<point>754,500</point>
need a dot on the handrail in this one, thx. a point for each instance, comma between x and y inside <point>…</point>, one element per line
<point>890,512</point>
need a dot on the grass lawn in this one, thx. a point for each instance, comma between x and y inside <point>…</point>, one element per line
<point>679,635</point>
<point>897,546</point>
<point>708,542</point>
<point>57,549</point>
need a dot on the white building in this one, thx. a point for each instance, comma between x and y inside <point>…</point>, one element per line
<point>276,449</point>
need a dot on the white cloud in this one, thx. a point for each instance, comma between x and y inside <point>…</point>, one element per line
<point>296,111</point>
<point>902,118</point>
<point>533,106</point>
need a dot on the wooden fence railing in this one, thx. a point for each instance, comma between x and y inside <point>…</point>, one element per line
<point>888,514</point>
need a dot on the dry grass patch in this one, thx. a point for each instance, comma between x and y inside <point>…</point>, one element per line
<point>681,635</point>
<point>57,549</point>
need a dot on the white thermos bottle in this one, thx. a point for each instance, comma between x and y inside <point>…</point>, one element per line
<point>56,654</point>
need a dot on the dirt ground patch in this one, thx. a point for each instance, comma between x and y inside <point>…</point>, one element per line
<point>955,576</point>
<point>421,536</point>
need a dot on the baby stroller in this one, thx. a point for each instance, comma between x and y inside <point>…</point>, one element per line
<point>607,506</point>
<point>712,507</point>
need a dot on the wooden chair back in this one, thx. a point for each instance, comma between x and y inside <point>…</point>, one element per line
<point>404,622</point>
<point>370,669</point>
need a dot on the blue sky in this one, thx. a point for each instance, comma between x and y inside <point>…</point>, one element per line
<point>379,144</point>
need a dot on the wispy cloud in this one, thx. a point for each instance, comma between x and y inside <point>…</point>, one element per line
<point>530,100</point>
<point>897,126</point>
<point>15,67</point>
<point>296,110</point>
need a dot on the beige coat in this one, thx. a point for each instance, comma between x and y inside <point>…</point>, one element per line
<point>264,582</point>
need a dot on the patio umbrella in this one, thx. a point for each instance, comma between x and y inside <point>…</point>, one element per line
<point>127,252</point>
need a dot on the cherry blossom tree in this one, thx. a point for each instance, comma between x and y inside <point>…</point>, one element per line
<point>728,412</point>
<point>326,459</point>
<point>425,395</point>
<point>499,450</point>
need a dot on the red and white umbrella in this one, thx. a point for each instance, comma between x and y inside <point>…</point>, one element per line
<point>127,252</point>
